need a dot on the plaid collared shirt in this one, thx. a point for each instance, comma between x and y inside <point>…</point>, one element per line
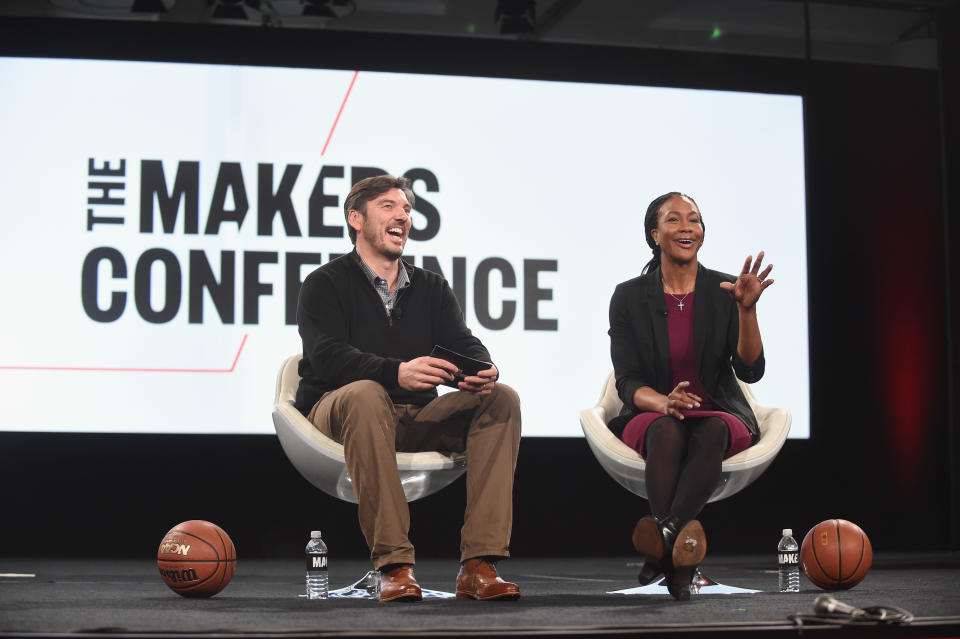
<point>382,287</point>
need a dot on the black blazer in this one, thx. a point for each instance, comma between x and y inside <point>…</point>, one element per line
<point>640,345</point>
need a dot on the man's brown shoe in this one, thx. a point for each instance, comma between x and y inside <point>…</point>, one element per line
<point>399,584</point>
<point>478,579</point>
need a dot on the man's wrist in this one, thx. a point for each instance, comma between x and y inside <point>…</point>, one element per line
<point>391,373</point>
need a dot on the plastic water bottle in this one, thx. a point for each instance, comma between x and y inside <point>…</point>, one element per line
<point>788,556</point>
<point>317,581</point>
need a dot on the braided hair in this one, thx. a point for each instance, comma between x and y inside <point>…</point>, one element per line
<point>650,221</point>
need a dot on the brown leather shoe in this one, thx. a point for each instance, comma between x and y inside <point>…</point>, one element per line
<point>399,584</point>
<point>690,545</point>
<point>689,549</point>
<point>648,540</point>
<point>478,579</point>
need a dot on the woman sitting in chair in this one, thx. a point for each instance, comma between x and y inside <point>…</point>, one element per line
<point>678,333</point>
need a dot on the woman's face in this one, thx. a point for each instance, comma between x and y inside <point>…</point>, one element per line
<point>678,231</point>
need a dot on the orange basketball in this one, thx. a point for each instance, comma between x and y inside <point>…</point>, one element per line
<point>836,554</point>
<point>196,559</point>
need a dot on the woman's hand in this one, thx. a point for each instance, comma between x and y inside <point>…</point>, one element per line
<point>749,285</point>
<point>679,399</point>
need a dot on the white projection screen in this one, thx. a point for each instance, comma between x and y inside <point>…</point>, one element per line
<point>158,218</point>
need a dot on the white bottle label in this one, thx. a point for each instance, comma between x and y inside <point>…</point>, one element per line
<point>789,559</point>
<point>316,562</point>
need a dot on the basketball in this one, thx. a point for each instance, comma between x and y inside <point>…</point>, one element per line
<point>836,554</point>
<point>196,559</point>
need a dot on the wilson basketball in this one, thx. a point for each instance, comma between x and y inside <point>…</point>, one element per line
<point>836,554</point>
<point>196,559</point>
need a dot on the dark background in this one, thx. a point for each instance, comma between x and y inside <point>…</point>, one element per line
<point>881,149</point>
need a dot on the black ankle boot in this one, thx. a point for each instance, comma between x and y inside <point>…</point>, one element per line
<point>669,527</point>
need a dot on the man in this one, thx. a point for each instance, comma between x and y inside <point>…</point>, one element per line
<point>368,320</point>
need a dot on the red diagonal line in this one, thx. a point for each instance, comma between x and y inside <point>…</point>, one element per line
<point>337,119</point>
<point>239,350</point>
<point>115,369</point>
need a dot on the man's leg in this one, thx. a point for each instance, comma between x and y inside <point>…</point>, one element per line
<point>361,416</point>
<point>490,428</point>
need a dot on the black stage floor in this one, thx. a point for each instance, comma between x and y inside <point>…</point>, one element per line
<point>560,597</point>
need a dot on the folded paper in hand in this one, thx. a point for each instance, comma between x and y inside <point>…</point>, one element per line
<point>466,366</point>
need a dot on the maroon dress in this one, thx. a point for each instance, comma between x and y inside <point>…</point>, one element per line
<point>684,366</point>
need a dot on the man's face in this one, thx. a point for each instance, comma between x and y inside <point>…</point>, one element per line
<point>385,225</point>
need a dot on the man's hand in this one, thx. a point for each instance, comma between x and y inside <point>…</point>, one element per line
<point>481,383</point>
<point>425,372</point>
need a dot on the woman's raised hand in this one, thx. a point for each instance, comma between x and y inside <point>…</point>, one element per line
<point>679,399</point>
<point>749,285</point>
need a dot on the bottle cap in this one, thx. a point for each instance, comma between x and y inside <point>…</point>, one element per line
<point>314,534</point>
<point>788,532</point>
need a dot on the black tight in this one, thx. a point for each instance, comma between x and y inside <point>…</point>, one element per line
<point>683,464</point>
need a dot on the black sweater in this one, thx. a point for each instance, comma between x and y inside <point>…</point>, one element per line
<point>348,336</point>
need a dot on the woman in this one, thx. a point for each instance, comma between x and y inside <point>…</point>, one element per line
<point>678,333</point>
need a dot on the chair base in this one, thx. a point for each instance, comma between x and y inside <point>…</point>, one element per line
<point>701,586</point>
<point>368,587</point>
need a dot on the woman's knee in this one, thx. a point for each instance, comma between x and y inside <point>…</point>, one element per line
<point>710,433</point>
<point>666,435</point>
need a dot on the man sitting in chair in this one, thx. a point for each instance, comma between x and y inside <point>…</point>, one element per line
<point>368,321</point>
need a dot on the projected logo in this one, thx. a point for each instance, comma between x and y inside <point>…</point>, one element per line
<point>158,283</point>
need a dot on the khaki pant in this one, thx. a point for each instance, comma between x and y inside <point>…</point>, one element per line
<point>372,429</point>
